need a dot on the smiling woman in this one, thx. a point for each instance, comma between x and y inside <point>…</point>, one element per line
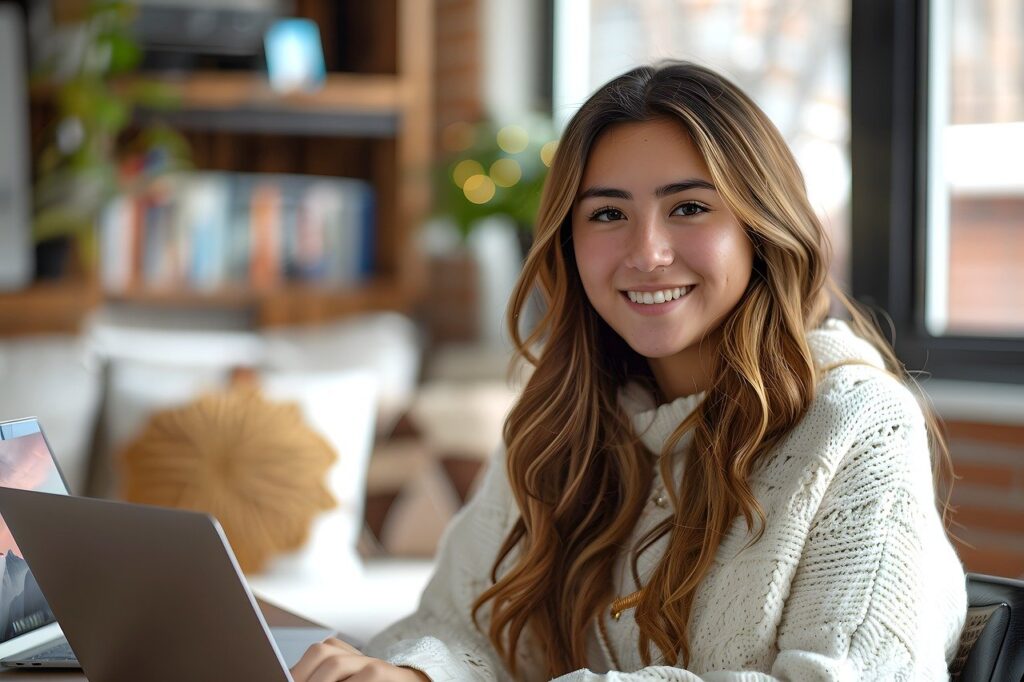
<point>662,261</point>
<point>705,477</point>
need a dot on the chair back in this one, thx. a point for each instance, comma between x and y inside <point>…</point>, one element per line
<point>992,643</point>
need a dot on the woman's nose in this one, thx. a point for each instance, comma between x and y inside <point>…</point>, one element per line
<point>650,247</point>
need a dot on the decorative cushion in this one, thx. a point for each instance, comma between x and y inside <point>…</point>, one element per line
<point>254,464</point>
<point>339,405</point>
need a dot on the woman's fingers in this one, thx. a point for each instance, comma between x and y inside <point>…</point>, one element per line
<point>343,645</point>
<point>333,660</point>
<point>316,655</point>
<point>340,666</point>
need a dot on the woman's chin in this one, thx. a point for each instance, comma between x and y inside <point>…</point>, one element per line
<point>655,350</point>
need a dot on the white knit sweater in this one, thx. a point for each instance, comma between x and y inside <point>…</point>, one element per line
<point>853,579</point>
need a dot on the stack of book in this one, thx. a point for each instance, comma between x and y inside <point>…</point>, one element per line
<point>209,230</point>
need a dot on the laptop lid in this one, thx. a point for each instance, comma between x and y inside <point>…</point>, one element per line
<point>26,461</point>
<point>143,593</point>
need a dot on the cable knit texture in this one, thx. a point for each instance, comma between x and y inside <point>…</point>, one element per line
<point>853,579</point>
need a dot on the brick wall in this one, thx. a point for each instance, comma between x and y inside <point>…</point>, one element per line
<point>986,282</point>
<point>989,497</point>
<point>448,311</point>
<point>459,62</point>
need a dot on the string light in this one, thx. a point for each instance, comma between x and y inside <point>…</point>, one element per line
<point>547,152</point>
<point>513,139</point>
<point>479,189</point>
<point>506,172</point>
<point>466,169</point>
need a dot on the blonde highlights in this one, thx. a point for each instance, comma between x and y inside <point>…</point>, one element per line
<point>577,471</point>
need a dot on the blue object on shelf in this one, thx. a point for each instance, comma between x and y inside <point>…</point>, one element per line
<point>295,57</point>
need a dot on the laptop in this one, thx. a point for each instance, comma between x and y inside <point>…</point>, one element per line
<point>27,625</point>
<point>141,592</point>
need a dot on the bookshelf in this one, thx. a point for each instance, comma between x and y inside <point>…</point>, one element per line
<point>373,119</point>
<point>47,308</point>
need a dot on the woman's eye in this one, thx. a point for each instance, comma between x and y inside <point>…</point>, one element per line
<point>689,208</point>
<point>606,215</point>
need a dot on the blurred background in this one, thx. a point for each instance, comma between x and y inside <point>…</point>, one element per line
<point>325,204</point>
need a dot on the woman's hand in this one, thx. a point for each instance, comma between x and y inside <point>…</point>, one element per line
<point>333,660</point>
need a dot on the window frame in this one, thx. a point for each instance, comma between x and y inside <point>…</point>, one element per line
<point>889,200</point>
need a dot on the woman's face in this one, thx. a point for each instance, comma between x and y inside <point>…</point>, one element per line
<point>660,255</point>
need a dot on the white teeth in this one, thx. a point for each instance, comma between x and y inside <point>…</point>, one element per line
<point>653,297</point>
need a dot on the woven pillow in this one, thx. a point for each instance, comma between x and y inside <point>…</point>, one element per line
<point>253,464</point>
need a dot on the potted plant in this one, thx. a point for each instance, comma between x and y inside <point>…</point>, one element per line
<point>489,185</point>
<point>79,167</point>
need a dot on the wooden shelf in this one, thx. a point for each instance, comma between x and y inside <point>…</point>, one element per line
<point>47,308</point>
<point>346,105</point>
<point>288,304</point>
<point>304,304</point>
<point>231,90</point>
<point>240,90</point>
<point>227,297</point>
<point>61,307</point>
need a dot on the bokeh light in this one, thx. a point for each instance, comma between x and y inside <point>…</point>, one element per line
<point>513,139</point>
<point>479,189</point>
<point>466,169</point>
<point>506,172</point>
<point>547,152</point>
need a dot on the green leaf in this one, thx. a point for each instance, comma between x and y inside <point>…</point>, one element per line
<point>125,54</point>
<point>112,115</point>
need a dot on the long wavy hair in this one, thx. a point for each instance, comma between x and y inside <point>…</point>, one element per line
<point>579,475</point>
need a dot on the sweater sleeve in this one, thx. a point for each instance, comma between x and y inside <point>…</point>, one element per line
<point>878,592</point>
<point>440,638</point>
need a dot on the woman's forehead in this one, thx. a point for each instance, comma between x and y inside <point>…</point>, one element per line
<point>642,156</point>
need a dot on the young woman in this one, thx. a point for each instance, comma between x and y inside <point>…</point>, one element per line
<point>705,478</point>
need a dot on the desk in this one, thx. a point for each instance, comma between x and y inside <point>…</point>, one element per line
<point>274,615</point>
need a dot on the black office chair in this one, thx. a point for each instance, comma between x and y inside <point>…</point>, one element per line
<point>992,644</point>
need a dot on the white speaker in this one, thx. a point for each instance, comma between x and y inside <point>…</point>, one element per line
<point>16,254</point>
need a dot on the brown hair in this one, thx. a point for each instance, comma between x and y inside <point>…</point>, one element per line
<point>578,473</point>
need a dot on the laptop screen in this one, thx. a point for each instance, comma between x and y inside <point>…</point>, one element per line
<point>26,463</point>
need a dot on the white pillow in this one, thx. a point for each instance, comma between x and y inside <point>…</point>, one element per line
<point>341,407</point>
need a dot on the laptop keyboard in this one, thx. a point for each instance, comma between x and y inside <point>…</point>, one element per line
<point>58,652</point>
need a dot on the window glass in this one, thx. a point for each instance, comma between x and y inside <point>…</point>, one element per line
<point>975,238</point>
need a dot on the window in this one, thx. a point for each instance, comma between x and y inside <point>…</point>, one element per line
<point>937,111</point>
<point>975,222</point>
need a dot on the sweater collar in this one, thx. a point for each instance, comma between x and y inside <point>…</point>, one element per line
<point>655,423</point>
<point>832,343</point>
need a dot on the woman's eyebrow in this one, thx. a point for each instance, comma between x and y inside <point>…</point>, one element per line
<point>604,192</point>
<point>676,187</point>
<point>663,191</point>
